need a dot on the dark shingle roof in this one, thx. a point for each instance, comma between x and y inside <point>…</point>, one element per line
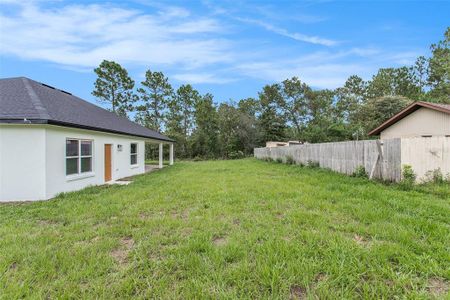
<point>22,98</point>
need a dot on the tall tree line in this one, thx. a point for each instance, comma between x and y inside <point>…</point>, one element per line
<point>289,110</point>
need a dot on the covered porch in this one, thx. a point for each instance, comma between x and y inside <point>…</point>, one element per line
<point>158,154</point>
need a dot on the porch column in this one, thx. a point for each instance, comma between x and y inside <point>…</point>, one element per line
<point>160,155</point>
<point>171,154</point>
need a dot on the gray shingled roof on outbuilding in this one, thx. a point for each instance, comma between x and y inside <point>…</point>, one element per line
<point>22,98</point>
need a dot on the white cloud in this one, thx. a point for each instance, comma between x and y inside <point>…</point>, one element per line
<point>175,12</point>
<point>83,35</point>
<point>322,69</point>
<point>365,52</point>
<point>196,49</point>
<point>316,74</point>
<point>293,35</point>
<point>404,58</point>
<point>195,78</point>
<point>272,12</point>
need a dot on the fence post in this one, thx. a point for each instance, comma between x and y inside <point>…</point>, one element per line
<point>377,161</point>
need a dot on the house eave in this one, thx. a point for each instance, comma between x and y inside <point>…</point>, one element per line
<point>78,126</point>
<point>405,112</point>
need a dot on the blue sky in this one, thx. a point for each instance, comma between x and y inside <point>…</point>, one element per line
<point>228,48</point>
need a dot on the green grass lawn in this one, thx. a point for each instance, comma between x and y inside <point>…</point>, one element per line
<point>230,229</point>
<point>156,162</point>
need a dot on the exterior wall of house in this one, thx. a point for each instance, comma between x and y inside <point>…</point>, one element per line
<point>33,160</point>
<point>22,163</point>
<point>58,182</point>
<point>422,122</point>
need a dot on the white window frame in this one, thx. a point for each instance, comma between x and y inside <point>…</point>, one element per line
<point>136,154</point>
<point>80,174</point>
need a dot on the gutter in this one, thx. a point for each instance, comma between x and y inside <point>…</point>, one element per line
<point>72,125</point>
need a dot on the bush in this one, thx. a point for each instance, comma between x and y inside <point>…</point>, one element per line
<point>313,164</point>
<point>279,160</point>
<point>236,155</point>
<point>360,172</point>
<point>435,176</point>
<point>268,159</point>
<point>408,177</point>
<point>290,160</point>
<point>408,174</point>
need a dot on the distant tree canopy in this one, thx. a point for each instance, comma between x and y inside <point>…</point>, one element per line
<point>289,110</point>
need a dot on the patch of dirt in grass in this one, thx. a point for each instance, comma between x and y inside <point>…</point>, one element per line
<point>13,266</point>
<point>181,215</point>
<point>360,240</point>
<point>144,215</point>
<point>156,256</point>
<point>321,277</point>
<point>237,222</point>
<point>389,283</point>
<point>87,242</point>
<point>286,238</point>
<point>128,242</point>
<point>185,232</point>
<point>438,286</point>
<point>318,280</point>
<point>279,215</point>
<point>44,222</point>
<point>98,225</point>
<point>219,241</point>
<point>121,254</point>
<point>84,286</point>
<point>297,292</point>
<point>260,240</point>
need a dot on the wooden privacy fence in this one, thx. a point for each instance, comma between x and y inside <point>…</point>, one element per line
<point>380,158</point>
<point>425,154</point>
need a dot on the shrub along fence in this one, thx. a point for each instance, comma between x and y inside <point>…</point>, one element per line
<point>381,159</point>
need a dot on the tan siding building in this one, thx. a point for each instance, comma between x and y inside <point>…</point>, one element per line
<point>420,119</point>
<point>424,122</point>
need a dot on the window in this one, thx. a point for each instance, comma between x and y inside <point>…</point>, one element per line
<point>133,153</point>
<point>78,156</point>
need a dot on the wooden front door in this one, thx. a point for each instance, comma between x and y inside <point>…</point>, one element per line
<point>108,164</point>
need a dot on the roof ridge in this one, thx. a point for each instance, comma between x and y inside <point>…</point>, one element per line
<point>35,101</point>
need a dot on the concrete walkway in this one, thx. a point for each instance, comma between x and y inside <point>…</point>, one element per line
<point>128,180</point>
<point>151,168</point>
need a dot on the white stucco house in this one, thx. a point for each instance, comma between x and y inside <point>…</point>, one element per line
<point>52,141</point>
<point>419,119</point>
